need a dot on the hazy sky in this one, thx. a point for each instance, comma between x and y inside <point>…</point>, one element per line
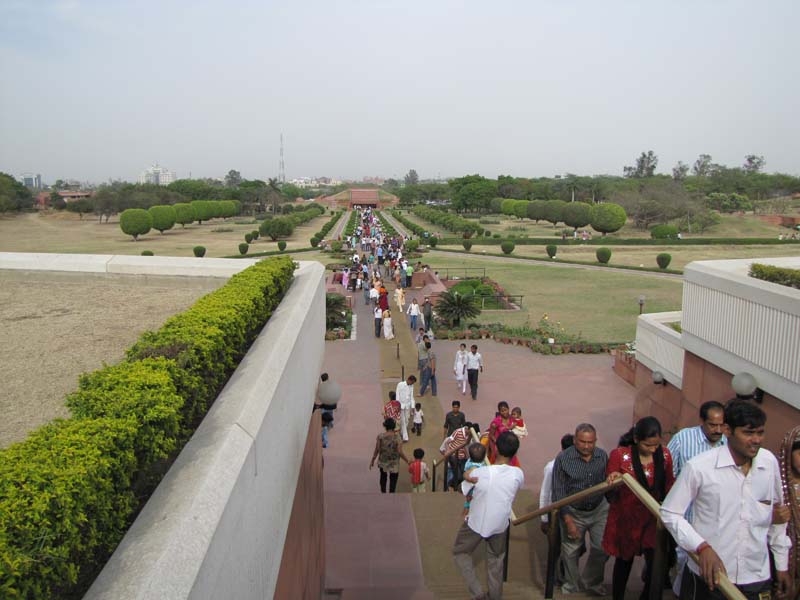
<point>93,89</point>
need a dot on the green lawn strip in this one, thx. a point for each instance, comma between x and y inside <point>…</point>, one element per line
<point>597,305</point>
<point>568,262</point>
<point>614,241</point>
<point>273,252</point>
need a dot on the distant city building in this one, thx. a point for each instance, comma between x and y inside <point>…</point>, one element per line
<point>44,199</point>
<point>31,181</point>
<point>313,182</point>
<point>157,176</point>
<point>374,180</point>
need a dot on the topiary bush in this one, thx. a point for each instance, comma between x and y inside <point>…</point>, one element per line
<point>467,245</point>
<point>248,237</point>
<point>147,253</point>
<point>243,248</point>
<point>255,233</point>
<point>281,245</point>
<point>608,217</point>
<point>432,241</point>
<point>411,245</point>
<point>507,247</point>
<point>603,255</point>
<point>277,227</point>
<point>663,232</point>
<point>337,245</point>
<point>663,260</point>
<point>135,222</point>
<point>487,233</point>
<point>551,250</point>
<point>199,251</point>
<point>164,217</point>
<point>315,242</point>
<point>184,213</point>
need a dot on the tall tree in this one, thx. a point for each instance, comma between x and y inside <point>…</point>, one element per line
<point>680,171</point>
<point>753,163</point>
<point>274,194</point>
<point>702,166</point>
<point>233,178</point>
<point>645,166</point>
<point>411,177</point>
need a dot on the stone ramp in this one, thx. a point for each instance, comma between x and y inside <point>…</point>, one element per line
<point>371,542</point>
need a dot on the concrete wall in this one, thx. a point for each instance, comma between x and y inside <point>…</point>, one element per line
<point>216,525</point>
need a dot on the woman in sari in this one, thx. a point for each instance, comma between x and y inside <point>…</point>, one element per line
<point>790,476</point>
<point>500,424</point>
<point>388,329</point>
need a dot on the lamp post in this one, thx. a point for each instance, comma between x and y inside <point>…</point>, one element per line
<point>746,387</point>
<point>641,304</point>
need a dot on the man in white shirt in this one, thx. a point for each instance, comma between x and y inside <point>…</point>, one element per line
<point>489,513</point>
<point>405,396</point>
<point>684,446</point>
<point>474,365</point>
<point>732,490</point>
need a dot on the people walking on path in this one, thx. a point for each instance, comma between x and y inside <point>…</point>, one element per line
<point>790,475</point>
<point>405,396</point>
<point>391,409</point>
<point>460,368</point>
<point>378,316</point>
<point>428,371</point>
<point>388,326</point>
<point>732,490</point>
<point>388,451</point>
<point>488,521</point>
<point>413,312</point>
<point>400,298</point>
<point>631,527</point>
<point>474,366</point>
<point>576,469</point>
<point>454,419</point>
<point>420,475</point>
<point>454,450</point>
<point>500,424</point>
<point>418,418</point>
<point>684,446</point>
<point>546,491</point>
<point>427,314</point>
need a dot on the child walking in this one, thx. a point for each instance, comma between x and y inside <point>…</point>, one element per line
<point>419,472</point>
<point>419,417</point>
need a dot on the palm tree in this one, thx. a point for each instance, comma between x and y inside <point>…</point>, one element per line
<point>335,311</point>
<point>454,307</point>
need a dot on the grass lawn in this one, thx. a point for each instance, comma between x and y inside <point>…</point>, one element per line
<point>64,232</point>
<point>733,226</point>
<point>646,255</point>
<point>600,306</point>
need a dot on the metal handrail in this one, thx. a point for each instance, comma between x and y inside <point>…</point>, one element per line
<point>728,589</point>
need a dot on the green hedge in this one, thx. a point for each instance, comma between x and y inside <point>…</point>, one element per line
<point>71,489</point>
<point>412,227</point>
<point>610,241</point>
<point>352,223</point>
<point>386,227</point>
<point>779,275</point>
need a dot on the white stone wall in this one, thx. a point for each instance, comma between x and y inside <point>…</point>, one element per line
<point>658,346</point>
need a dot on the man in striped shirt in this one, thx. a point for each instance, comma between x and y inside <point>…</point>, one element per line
<point>576,469</point>
<point>684,446</point>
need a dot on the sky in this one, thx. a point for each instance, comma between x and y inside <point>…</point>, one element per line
<point>99,89</point>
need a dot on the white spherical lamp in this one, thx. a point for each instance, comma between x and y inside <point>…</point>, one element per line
<point>744,385</point>
<point>329,392</point>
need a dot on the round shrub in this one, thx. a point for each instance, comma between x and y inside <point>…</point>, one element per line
<point>603,255</point>
<point>663,232</point>
<point>184,213</point>
<point>147,253</point>
<point>411,245</point>
<point>164,217</point>
<point>243,248</point>
<point>255,234</point>
<point>507,247</point>
<point>608,217</point>
<point>248,237</point>
<point>484,289</point>
<point>551,250</point>
<point>467,245</point>
<point>432,241</point>
<point>496,236</point>
<point>663,260</point>
<point>314,242</point>
<point>337,245</point>
<point>487,233</point>
<point>135,222</point>
<point>281,245</point>
<point>199,251</point>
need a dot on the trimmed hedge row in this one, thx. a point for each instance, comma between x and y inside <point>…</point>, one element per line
<point>779,275</point>
<point>568,262</point>
<point>609,241</point>
<point>320,235</point>
<point>350,228</point>
<point>386,227</point>
<point>448,221</point>
<point>71,489</point>
<point>412,227</point>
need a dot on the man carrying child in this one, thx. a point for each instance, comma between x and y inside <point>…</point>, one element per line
<point>488,521</point>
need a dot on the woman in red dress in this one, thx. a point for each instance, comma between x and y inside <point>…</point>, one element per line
<point>631,528</point>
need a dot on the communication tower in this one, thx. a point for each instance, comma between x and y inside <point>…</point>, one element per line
<point>282,171</point>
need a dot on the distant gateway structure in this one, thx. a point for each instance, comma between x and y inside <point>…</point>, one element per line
<point>355,197</point>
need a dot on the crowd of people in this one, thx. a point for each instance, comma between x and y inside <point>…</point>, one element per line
<point>723,497</point>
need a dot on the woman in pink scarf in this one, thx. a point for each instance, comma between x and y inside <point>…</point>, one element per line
<point>501,423</point>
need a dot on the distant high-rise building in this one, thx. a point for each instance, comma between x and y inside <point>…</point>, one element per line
<point>157,175</point>
<point>31,181</point>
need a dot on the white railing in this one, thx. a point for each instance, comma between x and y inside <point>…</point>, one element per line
<point>659,346</point>
<point>744,324</point>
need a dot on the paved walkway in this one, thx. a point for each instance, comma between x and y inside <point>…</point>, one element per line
<point>373,538</point>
